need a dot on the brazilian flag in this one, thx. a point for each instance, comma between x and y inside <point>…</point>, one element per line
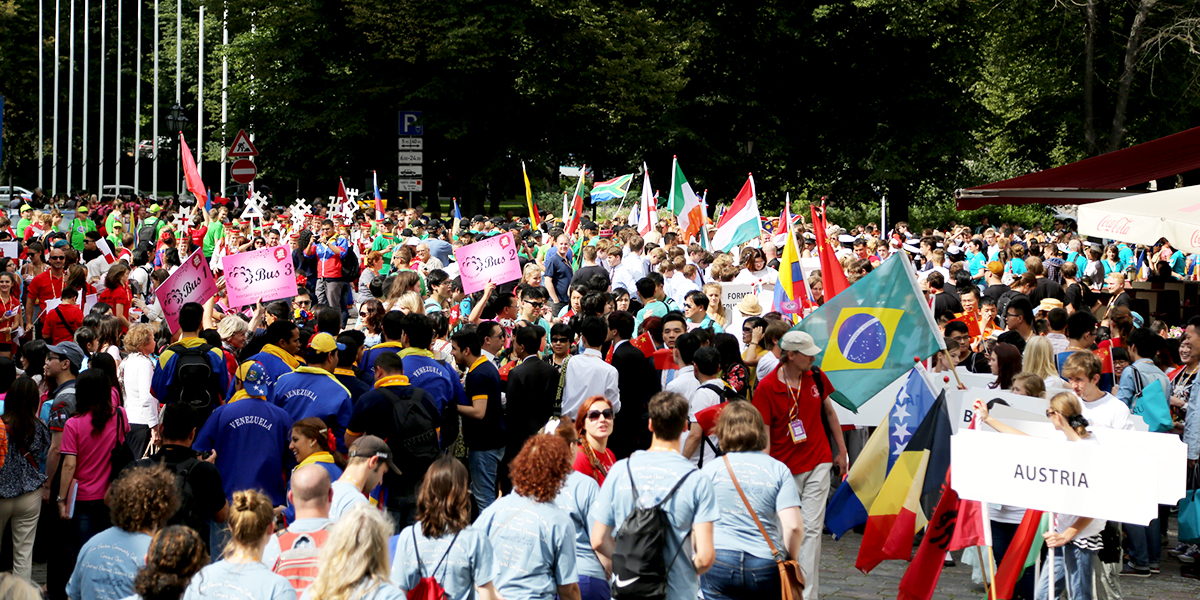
<point>871,331</point>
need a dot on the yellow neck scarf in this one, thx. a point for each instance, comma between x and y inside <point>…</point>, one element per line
<point>415,352</point>
<point>282,354</point>
<point>392,380</point>
<point>316,371</point>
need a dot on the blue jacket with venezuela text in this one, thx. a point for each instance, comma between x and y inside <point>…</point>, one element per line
<point>313,392</point>
<point>164,371</point>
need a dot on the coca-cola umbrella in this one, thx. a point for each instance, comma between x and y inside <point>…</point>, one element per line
<point>1145,218</point>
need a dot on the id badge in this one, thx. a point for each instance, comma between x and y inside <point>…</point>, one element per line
<point>798,434</point>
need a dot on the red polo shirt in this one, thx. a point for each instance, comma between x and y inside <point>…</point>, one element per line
<point>779,407</point>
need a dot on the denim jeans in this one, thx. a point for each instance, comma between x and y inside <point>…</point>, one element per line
<point>591,588</point>
<point>1002,536</point>
<point>1077,575</point>
<point>1145,543</point>
<point>736,575</point>
<point>483,465</point>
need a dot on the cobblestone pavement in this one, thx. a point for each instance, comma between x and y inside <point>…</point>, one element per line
<point>839,578</point>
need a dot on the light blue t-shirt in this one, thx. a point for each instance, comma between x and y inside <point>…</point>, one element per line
<point>244,581</point>
<point>770,488</point>
<point>468,565</point>
<point>533,544</point>
<point>345,496</point>
<point>107,564</point>
<point>385,591</point>
<point>577,498</point>
<point>1017,266</point>
<point>694,502</point>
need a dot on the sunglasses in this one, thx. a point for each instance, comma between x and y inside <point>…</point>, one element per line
<point>535,304</point>
<point>594,415</point>
<point>1050,412</point>
<point>560,340</point>
<point>304,303</point>
<point>58,258</point>
<point>747,330</point>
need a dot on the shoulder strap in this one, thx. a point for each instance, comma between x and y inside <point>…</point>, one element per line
<point>61,318</point>
<point>712,386</point>
<point>674,489</point>
<point>562,382</point>
<point>417,552</point>
<point>820,381</point>
<point>444,555</point>
<point>750,509</point>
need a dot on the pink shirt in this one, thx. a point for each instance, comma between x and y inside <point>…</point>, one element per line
<point>92,452</point>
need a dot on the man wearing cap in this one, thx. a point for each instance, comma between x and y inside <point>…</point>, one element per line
<point>312,391</point>
<point>794,404</point>
<point>191,317</point>
<point>369,460</point>
<point>385,242</point>
<point>26,220</point>
<point>992,278</point>
<point>116,235</point>
<point>79,226</point>
<point>151,226</point>
<point>62,366</point>
<point>250,437</point>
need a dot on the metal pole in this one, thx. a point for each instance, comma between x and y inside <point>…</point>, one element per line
<point>87,31</point>
<point>54,126</point>
<point>178,86</point>
<point>154,126</point>
<point>100,134</point>
<point>41,141</point>
<point>200,100</point>
<point>883,216</point>
<point>224,91</point>
<point>117,113</point>
<point>137,120</point>
<point>71,105</point>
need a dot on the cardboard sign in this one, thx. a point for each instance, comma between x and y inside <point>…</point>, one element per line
<point>1110,480</point>
<point>494,259</point>
<point>9,250</point>
<point>266,273</point>
<point>191,282</point>
<point>732,293</point>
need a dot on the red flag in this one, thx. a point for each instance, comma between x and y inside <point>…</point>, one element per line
<point>105,250</point>
<point>972,324</point>
<point>832,277</point>
<point>1013,565</point>
<point>190,173</point>
<point>974,524</point>
<point>921,577</point>
<point>342,196</point>
<point>664,360</point>
<point>645,343</point>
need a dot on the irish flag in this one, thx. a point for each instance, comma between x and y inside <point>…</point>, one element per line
<point>684,202</point>
<point>741,222</point>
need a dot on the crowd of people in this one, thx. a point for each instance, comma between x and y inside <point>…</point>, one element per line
<point>606,425</point>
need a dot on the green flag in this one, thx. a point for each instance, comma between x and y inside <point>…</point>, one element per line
<point>870,333</point>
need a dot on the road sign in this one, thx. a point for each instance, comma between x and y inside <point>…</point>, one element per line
<point>409,123</point>
<point>412,143</point>
<point>243,171</point>
<point>242,146</point>
<point>409,185</point>
<point>411,158</point>
<point>411,171</point>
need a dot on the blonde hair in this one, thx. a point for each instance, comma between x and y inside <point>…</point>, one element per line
<point>15,587</point>
<point>250,518</point>
<point>1067,405</point>
<point>716,310</point>
<point>411,301</point>
<point>356,551</point>
<point>1034,385</point>
<point>138,336</point>
<point>1039,357</point>
<point>230,326</point>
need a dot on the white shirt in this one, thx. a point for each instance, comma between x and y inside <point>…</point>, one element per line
<point>701,399</point>
<point>625,276</point>
<point>766,364</point>
<point>97,268</point>
<point>135,374</point>
<point>679,286</point>
<point>588,375</point>
<point>1108,411</point>
<point>685,382</point>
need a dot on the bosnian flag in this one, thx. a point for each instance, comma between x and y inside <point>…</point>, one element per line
<point>740,223</point>
<point>684,202</point>
<point>378,198</point>
<point>648,212</point>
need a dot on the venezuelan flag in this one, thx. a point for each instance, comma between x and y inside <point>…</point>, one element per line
<point>898,513</point>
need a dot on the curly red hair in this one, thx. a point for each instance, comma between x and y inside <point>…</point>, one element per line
<point>581,418</point>
<point>540,470</point>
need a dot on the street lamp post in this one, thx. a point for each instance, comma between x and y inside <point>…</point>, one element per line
<point>175,121</point>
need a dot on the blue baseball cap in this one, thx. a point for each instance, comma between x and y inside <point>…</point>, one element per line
<point>253,376</point>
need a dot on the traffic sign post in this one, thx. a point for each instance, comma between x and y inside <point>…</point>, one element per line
<point>243,171</point>
<point>410,185</point>
<point>242,147</point>
<point>411,155</point>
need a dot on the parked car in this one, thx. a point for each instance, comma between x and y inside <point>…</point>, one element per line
<point>146,147</point>
<point>7,193</point>
<point>122,190</point>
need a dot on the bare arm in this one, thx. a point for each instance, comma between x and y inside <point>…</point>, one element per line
<point>476,410</point>
<point>477,310</point>
<point>602,540</point>
<point>68,473</point>
<point>694,439</point>
<point>702,540</point>
<point>52,458</point>
<point>487,591</point>
<point>569,591</point>
<point>548,283</point>
<point>223,514</point>
<point>793,530</point>
<point>984,417</point>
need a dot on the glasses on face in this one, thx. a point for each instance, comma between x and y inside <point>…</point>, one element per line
<point>58,258</point>
<point>304,303</point>
<point>688,305</point>
<point>1050,412</point>
<point>1009,315</point>
<point>594,415</point>
<point>535,304</point>
<point>962,339</point>
<point>560,340</point>
<point>747,330</point>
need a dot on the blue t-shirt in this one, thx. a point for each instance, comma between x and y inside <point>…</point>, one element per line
<point>1125,254</point>
<point>251,437</point>
<point>367,362</point>
<point>305,395</point>
<point>975,263</point>
<point>244,581</point>
<point>560,276</point>
<point>440,382</point>
<point>1079,259</point>
<point>1017,266</point>
<point>577,498</point>
<point>107,564</point>
<point>534,547</point>
<point>468,565</point>
<point>440,249</point>
<point>345,496</point>
<point>383,591</point>
<point>1179,263</point>
<point>693,502</point>
<point>770,488</point>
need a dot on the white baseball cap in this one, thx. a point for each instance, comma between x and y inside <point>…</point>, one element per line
<point>798,341</point>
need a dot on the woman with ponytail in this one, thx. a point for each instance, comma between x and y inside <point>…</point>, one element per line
<point>241,574</point>
<point>312,443</point>
<point>176,554</point>
<point>577,498</point>
<point>354,561</point>
<point>1075,540</point>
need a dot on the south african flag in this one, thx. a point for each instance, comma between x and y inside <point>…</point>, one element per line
<point>614,188</point>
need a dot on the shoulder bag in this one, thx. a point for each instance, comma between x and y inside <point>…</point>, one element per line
<point>791,578</point>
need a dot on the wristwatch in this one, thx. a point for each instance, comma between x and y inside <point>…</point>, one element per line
<point>61,499</point>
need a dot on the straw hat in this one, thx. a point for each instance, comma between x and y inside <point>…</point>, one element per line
<point>749,306</point>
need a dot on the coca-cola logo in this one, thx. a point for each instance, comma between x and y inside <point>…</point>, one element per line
<point>1196,238</point>
<point>1115,225</point>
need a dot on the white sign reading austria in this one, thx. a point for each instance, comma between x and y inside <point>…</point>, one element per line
<point>1112,481</point>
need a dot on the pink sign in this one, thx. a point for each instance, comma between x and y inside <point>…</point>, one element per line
<point>192,282</point>
<point>265,273</point>
<point>493,259</point>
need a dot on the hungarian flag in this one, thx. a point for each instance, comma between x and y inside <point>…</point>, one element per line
<point>921,577</point>
<point>190,173</point>
<point>897,513</point>
<point>648,209</point>
<point>741,222</point>
<point>684,203</point>
<point>1023,552</point>
<point>533,216</point>
<point>833,278</point>
<point>576,211</point>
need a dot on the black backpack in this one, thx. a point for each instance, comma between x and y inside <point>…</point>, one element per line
<point>187,514</point>
<point>146,231</point>
<point>194,382</point>
<point>416,424</point>
<point>638,562</point>
<point>350,266</point>
<point>726,393</point>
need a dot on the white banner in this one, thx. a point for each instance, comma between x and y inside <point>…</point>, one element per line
<point>731,295</point>
<point>1112,480</point>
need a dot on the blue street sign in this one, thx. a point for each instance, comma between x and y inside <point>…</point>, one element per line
<point>409,123</point>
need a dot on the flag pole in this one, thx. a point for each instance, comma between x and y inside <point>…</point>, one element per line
<point>992,571</point>
<point>950,361</point>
